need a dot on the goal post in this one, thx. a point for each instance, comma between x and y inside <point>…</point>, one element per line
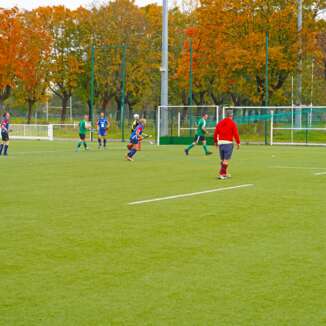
<point>32,132</point>
<point>182,121</point>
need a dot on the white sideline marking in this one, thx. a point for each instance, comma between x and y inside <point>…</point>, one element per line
<point>189,194</point>
<point>295,167</point>
<point>320,173</point>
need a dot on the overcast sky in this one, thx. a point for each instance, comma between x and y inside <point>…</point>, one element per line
<point>30,4</point>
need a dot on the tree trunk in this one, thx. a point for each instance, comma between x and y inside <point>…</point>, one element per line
<point>30,110</point>
<point>4,94</point>
<point>64,102</point>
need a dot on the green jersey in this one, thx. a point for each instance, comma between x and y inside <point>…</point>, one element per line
<point>82,127</point>
<point>201,125</point>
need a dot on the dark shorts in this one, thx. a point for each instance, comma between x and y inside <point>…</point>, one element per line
<point>82,136</point>
<point>102,132</point>
<point>225,151</point>
<point>5,136</point>
<point>197,139</point>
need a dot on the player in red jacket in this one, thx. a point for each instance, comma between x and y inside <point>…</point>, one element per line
<point>225,132</point>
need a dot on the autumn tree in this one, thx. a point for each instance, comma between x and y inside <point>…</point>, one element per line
<point>33,81</point>
<point>11,51</point>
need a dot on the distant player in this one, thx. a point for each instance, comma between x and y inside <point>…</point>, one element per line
<point>134,126</point>
<point>200,135</point>
<point>5,134</point>
<point>135,138</point>
<point>83,128</point>
<point>102,129</point>
<point>225,132</point>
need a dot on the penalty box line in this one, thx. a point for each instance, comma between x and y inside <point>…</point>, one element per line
<point>320,173</point>
<point>189,194</point>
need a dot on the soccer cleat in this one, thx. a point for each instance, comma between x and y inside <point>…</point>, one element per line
<point>187,152</point>
<point>222,177</point>
<point>129,158</point>
<point>209,153</point>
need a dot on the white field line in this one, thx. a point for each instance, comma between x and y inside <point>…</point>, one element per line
<point>320,173</point>
<point>296,167</point>
<point>189,194</point>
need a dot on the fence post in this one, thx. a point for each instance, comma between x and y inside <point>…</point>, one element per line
<point>272,127</point>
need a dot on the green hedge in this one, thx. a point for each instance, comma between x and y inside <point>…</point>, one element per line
<point>174,140</point>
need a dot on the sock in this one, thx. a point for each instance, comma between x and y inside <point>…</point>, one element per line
<point>99,142</point>
<point>190,147</point>
<point>1,147</point>
<point>226,168</point>
<point>104,142</point>
<point>205,149</point>
<point>132,152</point>
<point>79,144</point>
<point>6,150</point>
<point>221,169</point>
<point>85,145</point>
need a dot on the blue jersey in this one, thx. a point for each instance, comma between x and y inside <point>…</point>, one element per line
<point>137,132</point>
<point>102,124</point>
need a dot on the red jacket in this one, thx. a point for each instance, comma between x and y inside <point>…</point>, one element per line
<point>226,129</point>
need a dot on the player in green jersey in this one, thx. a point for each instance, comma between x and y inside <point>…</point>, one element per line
<point>200,135</point>
<point>83,128</point>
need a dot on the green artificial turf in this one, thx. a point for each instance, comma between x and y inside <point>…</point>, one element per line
<point>72,252</point>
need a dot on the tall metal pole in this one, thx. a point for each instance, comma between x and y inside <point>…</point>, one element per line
<point>123,87</point>
<point>91,109</point>
<point>299,69</point>
<point>190,86</point>
<point>266,82</point>
<point>164,71</point>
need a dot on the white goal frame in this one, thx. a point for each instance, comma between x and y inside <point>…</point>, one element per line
<point>168,107</point>
<point>26,135</point>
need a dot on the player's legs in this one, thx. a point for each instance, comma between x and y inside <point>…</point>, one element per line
<point>225,155</point>
<point>99,140</point>
<point>104,141</point>
<point>132,148</point>
<point>204,142</point>
<point>193,144</point>
<point>5,144</point>
<point>82,141</point>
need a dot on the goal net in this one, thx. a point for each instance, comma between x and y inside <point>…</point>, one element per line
<point>288,125</point>
<point>31,132</point>
<point>182,122</point>
<point>44,132</point>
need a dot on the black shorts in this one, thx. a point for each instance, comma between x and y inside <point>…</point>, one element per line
<point>82,136</point>
<point>199,138</point>
<point>225,151</point>
<point>4,136</point>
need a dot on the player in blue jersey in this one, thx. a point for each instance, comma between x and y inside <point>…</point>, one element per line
<point>5,134</point>
<point>135,139</point>
<point>102,129</point>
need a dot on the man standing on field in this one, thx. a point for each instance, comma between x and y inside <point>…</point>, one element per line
<point>225,132</point>
<point>83,127</point>
<point>200,135</point>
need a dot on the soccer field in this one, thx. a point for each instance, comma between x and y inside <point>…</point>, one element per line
<point>73,252</point>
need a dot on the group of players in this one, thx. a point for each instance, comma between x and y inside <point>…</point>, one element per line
<point>102,127</point>
<point>225,133</point>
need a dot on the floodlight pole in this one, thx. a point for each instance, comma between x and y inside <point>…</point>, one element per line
<point>298,115</point>
<point>266,82</point>
<point>164,71</point>
<point>91,108</point>
<point>123,86</point>
<point>190,84</point>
